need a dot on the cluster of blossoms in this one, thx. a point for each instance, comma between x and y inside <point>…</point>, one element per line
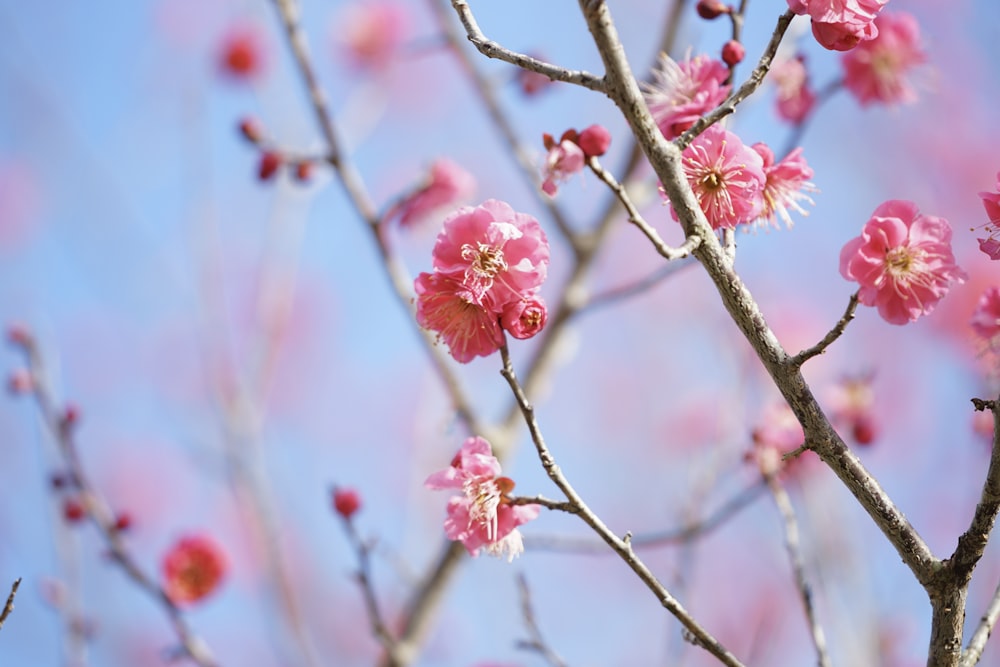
<point>737,184</point>
<point>840,25</point>
<point>482,517</point>
<point>568,155</point>
<point>991,202</point>
<point>902,260</point>
<point>489,263</point>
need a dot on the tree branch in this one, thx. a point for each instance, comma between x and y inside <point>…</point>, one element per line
<point>622,547</point>
<point>9,607</point>
<point>836,332</point>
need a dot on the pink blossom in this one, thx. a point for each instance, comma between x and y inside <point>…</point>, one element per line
<point>786,185</point>
<point>876,70</point>
<point>523,319</point>
<point>193,568</point>
<point>371,33</point>
<point>733,53</point>
<point>839,25</point>
<point>445,305</point>
<point>562,161</point>
<point>986,318</point>
<point>446,185</point>
<point>726,176</point>
<point>852,403</point>
<point>778,433</point>
<point>485,259</point>
<point>902,261</point>
<point>681,93</point>
<point>532,83</point>
<point>500,256</point>
<point>795,98</point>
<point>241,55</point>
<point>991,203</point>
<point>482,516</point>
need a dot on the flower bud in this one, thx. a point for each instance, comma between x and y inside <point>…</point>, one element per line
<point>733,53</point>
<point>346,502</point>
<point>711,9</point>
<point>594,141</point>
<point>269,163</point>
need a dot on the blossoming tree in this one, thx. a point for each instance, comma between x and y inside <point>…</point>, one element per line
<point>708,358</point>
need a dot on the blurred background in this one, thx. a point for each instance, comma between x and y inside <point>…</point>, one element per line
<point>233,344</point>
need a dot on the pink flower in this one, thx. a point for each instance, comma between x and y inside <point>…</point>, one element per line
<point>991,202</point>
<point>876,70</point>
<point>681,93</point>
<point>372,33</point>
<point>986,318</point>
<point>853,408</point>
<point>532,83</point>
<point>482,516</point>
<point>726,176</point>
<point>839,25</point>
<point>445,305</point>
<point>523,319</point>
<point>193,568</point>
<point>563,160</point>
<point>785,186</point>
<point>500,256</point>
<point>447,184</point>
<point>778,433</point>
<point>485,259</point>
<point>902,261</point>
<point>795,99</point>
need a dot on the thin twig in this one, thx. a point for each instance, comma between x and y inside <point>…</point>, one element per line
<point>364,576</point>
<point>9,607</point>
<point>620,546</point>
<point>836,332</point>
<point>977,643</point>
<point>500,120</point>
<point>491,49</point>
<point>791,530</point>
<point>744,91</point>
<point>684,534</point>
<point>536,642</point>
<point>547,503</point>
<point>97,511</point>
<point>690,244</point>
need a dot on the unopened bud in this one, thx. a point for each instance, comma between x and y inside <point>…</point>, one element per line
<point>269,163</point>
<point>711,9</point>
<point>733,52</point>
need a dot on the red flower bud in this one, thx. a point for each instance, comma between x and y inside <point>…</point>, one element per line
<point>269,163</point>
<point>346,502</point>
<point>733,52</point>
<point>73,510</point>
<point>594,141</point>
<point>711,9</point>
<point>252,129</point>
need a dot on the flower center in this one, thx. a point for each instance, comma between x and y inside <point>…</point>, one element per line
<point>899,262</point>
<point>485,262</point>
<point>485,496</point>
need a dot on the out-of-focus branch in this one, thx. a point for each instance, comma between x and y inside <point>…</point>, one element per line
<point>681,535</point>
<point>622,547</point>
<point>665,158</point>
<point>536,642</point>
<point>9,607</point>
<point>499,119</point>
<point>791,530</point>
<point>358,195</point>
<point>96,509</point>
<point>836,332</point>
<point>378,625</point>
<point>690,243</point>
<point>621,293</point>
<point>977,643</point>
<point>744,91</point>
<point>491,49</point>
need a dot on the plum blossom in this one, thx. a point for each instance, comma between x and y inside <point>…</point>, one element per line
<point>447,184</point>
<point>193,568</point>
<point>795,97</point>
<point>986,317</point>
<point>839,25</point>
<point>991,203</point>
<point>903,262</point>
<point>371,33</point>
<point>564,159</point>
<point>727,177</point>
<point>525,318</point>
<point>482,517</point>
<point>681,93</point>
<point>876,70</point>
<point>785,186</point>
<point>485,259</point>
<point>777,434</point>
<point>852,408</point>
